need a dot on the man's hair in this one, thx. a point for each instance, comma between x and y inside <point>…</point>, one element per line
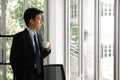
<point>31,13</point>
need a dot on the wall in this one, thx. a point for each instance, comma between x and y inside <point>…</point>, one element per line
<point>56,30</point>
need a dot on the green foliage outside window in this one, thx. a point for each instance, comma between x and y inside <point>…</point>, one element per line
<point>74,32</point>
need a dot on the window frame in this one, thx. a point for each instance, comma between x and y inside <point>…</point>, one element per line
<point>96,39</point>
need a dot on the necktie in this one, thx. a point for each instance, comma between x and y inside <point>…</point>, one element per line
<point>37,52</point>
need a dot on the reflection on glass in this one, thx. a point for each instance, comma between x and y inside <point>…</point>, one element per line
<point>106,39</point>
<point>73,39</point>
<point>88,24</point>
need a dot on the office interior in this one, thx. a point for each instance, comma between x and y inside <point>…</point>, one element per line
<point>84,35</point>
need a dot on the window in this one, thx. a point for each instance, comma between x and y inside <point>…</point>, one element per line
<point>11,19</point>
<point>74,9</point>
<point>91,38</point>
<point>73,41</point>
<point>106,8</point>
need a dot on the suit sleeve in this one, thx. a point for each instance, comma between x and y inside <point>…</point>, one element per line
<point>16,56</point>
<point>45,53</point>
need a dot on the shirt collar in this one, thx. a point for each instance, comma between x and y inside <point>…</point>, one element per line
<point>31,32</point>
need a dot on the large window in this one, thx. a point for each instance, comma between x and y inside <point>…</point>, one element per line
<point>91,39</point>
<point>11,19</point>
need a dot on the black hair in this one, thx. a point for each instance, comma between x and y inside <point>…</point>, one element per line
<point>31,13</point>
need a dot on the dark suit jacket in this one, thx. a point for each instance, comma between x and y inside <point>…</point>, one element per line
<point>22,57</point>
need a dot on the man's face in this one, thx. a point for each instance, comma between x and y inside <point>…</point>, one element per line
<point>38,22</point>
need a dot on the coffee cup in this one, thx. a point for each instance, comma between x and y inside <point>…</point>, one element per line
<point>46,44</point>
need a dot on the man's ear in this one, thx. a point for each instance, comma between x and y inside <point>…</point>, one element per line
<point>31,21</point>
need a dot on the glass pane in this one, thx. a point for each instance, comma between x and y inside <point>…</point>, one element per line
<point>14,16</point>
<point>88,24</point>
<point>73,39</point>
<point>9,73</point>
<point>14,24</point>
<point>106,39</point>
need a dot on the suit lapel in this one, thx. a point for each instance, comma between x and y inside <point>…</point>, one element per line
<point>29,39</point>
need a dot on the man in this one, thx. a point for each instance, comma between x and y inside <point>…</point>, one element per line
<point>27,52</point>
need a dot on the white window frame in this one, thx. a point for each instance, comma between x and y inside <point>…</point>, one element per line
<point>3,26</point>
<point>67,40</point>
<point>117,40</point>
<point>96,40</point>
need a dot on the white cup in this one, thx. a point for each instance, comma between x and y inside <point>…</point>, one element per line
<point>46,44</point>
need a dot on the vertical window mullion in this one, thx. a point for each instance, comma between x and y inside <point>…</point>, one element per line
<point>96,40</point>
<point>67,40</point>
<point>3,39</point>
<point>80,41</point>
<point>116,40</point>
<point>46,29</point>
<point>25,4</point>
